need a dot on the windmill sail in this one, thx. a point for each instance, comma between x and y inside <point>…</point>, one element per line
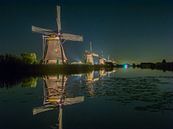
<point>42,30</point>
<point>44,108</point>
<point>58,19</point>
<point>91,48</point>
<point>68,101</point>
<point>94,54</point>
<point>71,37</point>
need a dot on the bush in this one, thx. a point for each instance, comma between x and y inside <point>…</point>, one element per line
<point>29,58</point>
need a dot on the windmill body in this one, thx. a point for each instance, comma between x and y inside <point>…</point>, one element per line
<point>53,51</point>
<point>89,57</point>
<point>101,61</point>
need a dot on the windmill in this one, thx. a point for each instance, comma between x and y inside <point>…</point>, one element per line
<point>101,59</point>
<point>53,51</point>
<point>90,55</point>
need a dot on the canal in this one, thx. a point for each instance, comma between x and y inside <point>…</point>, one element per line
<point>118,99</point>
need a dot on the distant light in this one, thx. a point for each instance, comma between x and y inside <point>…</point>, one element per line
<point>125,66</point>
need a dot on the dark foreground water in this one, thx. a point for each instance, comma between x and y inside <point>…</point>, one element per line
<point>121,99</point>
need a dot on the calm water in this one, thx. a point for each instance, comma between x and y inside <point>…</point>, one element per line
<point>121,99</point>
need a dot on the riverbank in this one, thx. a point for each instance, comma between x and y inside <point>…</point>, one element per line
<point>46,69</point>
<point>165,66</point>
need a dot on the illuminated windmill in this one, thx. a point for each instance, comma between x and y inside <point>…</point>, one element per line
<point>53,51</point>
<point>90,55</point>
<point>101,59</point>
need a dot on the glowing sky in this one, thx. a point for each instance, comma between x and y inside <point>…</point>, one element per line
<point>129,31</point>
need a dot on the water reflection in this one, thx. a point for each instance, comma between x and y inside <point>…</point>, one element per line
<point>155,93</point>
<point>55,96</point>
<point>12,81</point>
<point>90,79</point>
<point>102,96</point>
<point>94,76</point>
<point>29,82</point>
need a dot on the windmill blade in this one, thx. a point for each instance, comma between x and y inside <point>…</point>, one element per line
<point>42,30</point>
<point>103,58</point>
<point>75,100</point>
<point>44,108</point>
<point>72,37</point>
<point>58,19</point>
<point>94,54</point>
<point>91,48</point>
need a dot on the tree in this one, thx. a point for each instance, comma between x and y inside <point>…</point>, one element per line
<point>29,58</point>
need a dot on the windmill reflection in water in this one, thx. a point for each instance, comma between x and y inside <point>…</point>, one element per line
<point>55,96</point>
<point>94,76</point>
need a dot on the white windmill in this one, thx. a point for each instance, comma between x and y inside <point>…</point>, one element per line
<point>102,59</point>
<point>90,56</point>
<point>53,51</point>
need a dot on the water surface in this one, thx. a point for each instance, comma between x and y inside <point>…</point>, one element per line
<point>120,99</point>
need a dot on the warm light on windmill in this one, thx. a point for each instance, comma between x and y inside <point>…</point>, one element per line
<point>53,40</point>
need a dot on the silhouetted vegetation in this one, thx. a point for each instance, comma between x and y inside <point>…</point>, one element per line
<point>13,60</point>
<point>29,58</point>
<point>165,66</point>
<point>14,80</point>
<point>10,60</point>
<point>26,65</point>
<point>15,69</point>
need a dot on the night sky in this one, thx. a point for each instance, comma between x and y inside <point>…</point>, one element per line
<point>127,30</point>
